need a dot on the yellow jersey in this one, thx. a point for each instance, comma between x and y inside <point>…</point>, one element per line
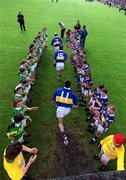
<point>113,152</point>
<point>15,169</point>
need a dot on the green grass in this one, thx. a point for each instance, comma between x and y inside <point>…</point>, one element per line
<point>106,50</point>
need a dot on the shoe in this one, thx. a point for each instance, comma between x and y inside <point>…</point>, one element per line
<point>96,157</point>
<point>65,140</point>
<point>102,168</point>
<point>93,140</point>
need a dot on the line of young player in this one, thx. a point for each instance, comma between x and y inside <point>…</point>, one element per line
<point>100,114</point>
<point>14,162</point>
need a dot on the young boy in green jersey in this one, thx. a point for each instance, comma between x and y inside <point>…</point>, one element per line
<point>15,130</point>
<point>19,106</point>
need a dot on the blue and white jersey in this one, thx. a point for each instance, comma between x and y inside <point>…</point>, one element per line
<point>107,118</point>
<point>97,92</point>
<point>88,82</point>
<point>101,101</point>
<point>85,67</point>
<point>65,97</point>
<point>60,56</point>
<point>57,41</point>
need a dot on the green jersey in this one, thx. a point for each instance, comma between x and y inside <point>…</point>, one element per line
<point>21,109</point>
<point>16,132</point>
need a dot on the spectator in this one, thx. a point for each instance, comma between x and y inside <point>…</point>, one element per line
<point>83,35</point>
<point>77,26</point>
<point>20,17</point>
<point>63,28</point>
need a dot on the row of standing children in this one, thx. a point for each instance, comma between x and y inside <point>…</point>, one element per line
<point>100,113</point>
<point>14,162</point>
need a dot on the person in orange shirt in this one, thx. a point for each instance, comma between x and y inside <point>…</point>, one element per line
<point>14,162</point>
<point>112,148</point>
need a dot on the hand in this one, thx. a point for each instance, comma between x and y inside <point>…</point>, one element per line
<point>34,150</point>
<point>74,106</point>
<point>34,108</point>
<point>32,159</point>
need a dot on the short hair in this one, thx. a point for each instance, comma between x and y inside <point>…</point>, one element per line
<point>55,34</point>
<point>15,102</point>
<point>104,90</point>
<point>18,117</point>
<point>67,83</point>
<point>101,86</point>
<point>84,26</point>
<point>13,150</point>
<point>113,107</point>
<point>23,81</point>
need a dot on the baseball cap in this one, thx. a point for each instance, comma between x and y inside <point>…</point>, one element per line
<point>119,139</point>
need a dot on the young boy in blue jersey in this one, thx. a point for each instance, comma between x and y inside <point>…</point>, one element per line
<point>100,102</point>
<point>59,58</point>
<point>65,100</point>
<point>103,123</point>
<point>56,42</point>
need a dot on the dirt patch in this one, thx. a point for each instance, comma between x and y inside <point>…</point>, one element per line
<point>71,159</point>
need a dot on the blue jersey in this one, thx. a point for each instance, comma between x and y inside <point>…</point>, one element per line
<point>60,56</point>
<point>88,82</point>
<point>101,101</point>
<point>97,92</point>
<point>65,97</point>
<point>108,118</point>
<point>57,41</point>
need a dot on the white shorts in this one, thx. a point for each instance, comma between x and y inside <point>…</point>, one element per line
<point>56,48</point>
<point>62,111</point>
<point>59,66</point>
<point>85,92</point>
<point>100,128</point>
<point>105,159</point>
<point>24,122</point>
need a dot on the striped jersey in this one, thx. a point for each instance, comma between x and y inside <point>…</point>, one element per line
<point>60,56</point>
<point>65,97</point>
<point>57,41</point>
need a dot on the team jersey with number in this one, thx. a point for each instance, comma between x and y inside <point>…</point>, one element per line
<point>65,97</point>
<point>60,56</point>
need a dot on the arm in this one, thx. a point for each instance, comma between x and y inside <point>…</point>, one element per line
<point>106,139</point>
<point>32,108</point>
<point>54,97</point>
<point>30,150</point>
<point>31,160</point>
<point>75,101</point>
<point>120,161</point>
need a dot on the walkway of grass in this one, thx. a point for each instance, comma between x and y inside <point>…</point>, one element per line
<point>106,55</point>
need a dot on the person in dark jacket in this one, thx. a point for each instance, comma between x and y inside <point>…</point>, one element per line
<point>83,35</point>
<point>20,17</point>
